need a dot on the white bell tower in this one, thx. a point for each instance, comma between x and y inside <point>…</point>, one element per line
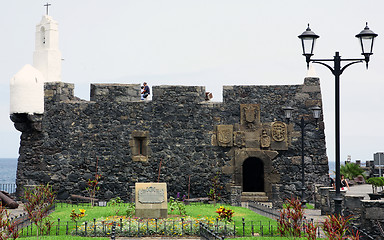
<point>47,56</point>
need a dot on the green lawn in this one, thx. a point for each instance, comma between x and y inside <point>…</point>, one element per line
<point>252,221</point>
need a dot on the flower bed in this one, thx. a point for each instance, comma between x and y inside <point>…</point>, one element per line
<point>139,227</point>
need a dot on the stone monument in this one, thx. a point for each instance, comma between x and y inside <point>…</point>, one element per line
<point>151,200</point>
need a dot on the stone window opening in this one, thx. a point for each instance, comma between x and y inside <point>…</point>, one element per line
<point>139,146</point>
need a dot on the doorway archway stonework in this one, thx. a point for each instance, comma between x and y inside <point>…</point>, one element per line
<point>252,139</point>
<point>271,176</point>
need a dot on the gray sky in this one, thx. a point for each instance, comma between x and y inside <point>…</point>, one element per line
<point>210,43</point>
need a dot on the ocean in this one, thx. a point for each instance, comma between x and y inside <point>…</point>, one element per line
<point>8,168</point>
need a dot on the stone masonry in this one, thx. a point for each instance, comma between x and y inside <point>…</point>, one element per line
<point>126,140</point>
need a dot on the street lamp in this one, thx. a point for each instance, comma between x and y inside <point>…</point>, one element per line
<point>366,38</point>
<point>302,124</point>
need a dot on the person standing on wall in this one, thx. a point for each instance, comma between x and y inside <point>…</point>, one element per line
<point>146,90</point>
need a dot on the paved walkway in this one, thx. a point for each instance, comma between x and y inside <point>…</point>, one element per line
<point>360,190</point>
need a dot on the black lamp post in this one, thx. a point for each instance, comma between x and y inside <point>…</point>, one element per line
<point>308,39</point>
<point>302,124</point>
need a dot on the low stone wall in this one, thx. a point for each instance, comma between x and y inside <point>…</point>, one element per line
<point>367,215</point>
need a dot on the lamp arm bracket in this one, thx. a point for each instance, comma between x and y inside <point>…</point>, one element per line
<point>305,123</point>
<point>349,64</point>
<point>329,67</point>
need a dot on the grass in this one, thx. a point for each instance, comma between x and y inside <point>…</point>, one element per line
<point>252,220</point>
<point>209,210</point>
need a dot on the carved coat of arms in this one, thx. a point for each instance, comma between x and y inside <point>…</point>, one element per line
<point>238,139</point>
<point>224,135</point>
<point>249,114</point>
<point>279,131</point>
<point>265,139</point>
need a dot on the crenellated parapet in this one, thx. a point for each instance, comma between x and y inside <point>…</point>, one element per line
<point>179,94</point>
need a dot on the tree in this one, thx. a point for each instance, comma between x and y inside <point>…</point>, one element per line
<point>39,201</point>
<point>351,170</point>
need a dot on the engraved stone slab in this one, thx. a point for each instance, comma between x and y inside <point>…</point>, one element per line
<point>224,135</point>
<point>151,200</point>
<point>151,195</point>
<point>250,115</point>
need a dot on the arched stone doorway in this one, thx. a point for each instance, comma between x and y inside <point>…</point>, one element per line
<point>253,175</point>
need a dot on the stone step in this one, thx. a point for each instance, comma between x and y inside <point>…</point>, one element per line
<point>253,194</point>
<point>254,198</point>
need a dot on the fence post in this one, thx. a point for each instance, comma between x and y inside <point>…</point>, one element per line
<point>66,230</point>
<point>58,227</point>
<point>113,231</point>
<point>94,226</point>
<point>191,227</point>
<point>173,227</point>
<point>156,224</point>
<point>138,227</point>
<point>243,227</point>
<point>234,229</point>
<point>182,226</point>
<point>121,225</point>
<point>85,224</point>
<point>253,232</point>
<point>262,230</point>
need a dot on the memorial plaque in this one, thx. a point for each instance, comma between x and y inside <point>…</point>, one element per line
<point>151,195</point>
<point>151,200</point>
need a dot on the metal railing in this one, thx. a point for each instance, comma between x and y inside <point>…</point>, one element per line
<point>208,234</point>
<point>263,209</point>
<point>8,187</point>
<point>363,235</point>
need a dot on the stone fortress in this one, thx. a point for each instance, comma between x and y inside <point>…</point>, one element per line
<point>178,137</point>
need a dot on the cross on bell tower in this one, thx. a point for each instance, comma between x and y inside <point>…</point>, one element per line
<point>47,6</point>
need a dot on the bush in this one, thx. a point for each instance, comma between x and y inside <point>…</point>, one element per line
<point>7,228</point>
<point>336,227</point>
<point>130,209</point>
<point>225,214</point>
<point>177,206</point>
<point>290,221</point>
<point>39,201</point>
<point>376,182</point>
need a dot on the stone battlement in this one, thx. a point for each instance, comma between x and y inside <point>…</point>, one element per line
<point>120,93</point>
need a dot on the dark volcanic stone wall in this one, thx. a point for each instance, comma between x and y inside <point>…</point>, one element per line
<point>76,138</point>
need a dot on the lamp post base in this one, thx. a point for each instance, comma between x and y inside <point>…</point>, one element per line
<point>338,200</point>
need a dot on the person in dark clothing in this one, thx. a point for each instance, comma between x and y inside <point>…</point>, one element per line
<point>344,183</point>
<point>146,90</point>
<point>332,182</point>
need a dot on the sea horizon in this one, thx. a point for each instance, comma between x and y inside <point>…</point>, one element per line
<point>8,168</point>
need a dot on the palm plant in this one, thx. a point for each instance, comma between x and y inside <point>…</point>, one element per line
<point>376,182</point>
<point>351,170</point>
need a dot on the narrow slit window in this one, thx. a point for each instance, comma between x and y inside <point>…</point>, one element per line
<point>139,145</point>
